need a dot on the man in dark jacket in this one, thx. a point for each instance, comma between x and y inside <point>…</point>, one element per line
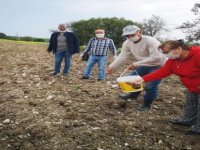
<point>63,44</point>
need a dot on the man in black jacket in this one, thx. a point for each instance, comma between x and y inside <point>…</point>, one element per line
<point>63,44</point>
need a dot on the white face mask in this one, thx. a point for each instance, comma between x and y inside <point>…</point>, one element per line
<point>134,39</point>
<point>100,35</point>
<point>172,56</point>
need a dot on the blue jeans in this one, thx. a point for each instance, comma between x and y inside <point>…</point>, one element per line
<point>59,55</point>
<point>151,88</point>
<point>101,61</point>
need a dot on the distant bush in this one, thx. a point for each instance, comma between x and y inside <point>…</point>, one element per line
<point>2,35</point>
<point>38,40</point>
<point>12,38</point>
<point>26,38</point>
<point>46,40</point>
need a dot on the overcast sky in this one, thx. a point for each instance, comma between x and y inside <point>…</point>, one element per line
<point>36,17</point>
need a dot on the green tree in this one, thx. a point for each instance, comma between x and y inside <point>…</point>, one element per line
<point>192,29</point>
<point>85,29</point>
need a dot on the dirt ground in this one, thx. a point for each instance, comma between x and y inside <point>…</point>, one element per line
<point>41,112</point>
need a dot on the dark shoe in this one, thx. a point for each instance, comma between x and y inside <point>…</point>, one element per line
<point>178,122</point>
<point>132,95</point>
<point>53,74</point>
<point>99,79</point>
<point>144,108</point>
<point>84,77</point>
<point>190,132</point>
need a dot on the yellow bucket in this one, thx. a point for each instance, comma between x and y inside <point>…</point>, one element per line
<point>122,81</point>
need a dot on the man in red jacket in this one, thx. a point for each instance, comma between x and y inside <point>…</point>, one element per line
<point>184,62</point>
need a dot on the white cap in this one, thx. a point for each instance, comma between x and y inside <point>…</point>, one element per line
<point>130,29</point>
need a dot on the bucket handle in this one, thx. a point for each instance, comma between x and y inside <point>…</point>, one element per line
<point>127,70</point>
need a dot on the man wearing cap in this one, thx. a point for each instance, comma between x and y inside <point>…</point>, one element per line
<point>63,44</point>
<point>98,48</point>
<point>148,59</point>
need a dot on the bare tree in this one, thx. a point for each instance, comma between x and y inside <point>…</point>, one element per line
<point>192,29</point>
<point>154,26</point>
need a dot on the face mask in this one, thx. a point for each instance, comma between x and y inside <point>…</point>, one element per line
<point>100,35</point>
<point>62,31</point>
<point>172,56</point>
<point>134,39</point>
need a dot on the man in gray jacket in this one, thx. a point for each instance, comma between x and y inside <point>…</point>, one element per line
<point>149,59</point>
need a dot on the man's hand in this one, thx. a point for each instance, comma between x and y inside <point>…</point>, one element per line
<point>131,67</point>
<point>81,55</point>
<point>109,71</point>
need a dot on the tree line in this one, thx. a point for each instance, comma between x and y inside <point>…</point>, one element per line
<point>24,38</point>
<point>152,26</point>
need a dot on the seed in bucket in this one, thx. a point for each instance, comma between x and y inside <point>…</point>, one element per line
<point>124,84</point>
<point>136,86</point>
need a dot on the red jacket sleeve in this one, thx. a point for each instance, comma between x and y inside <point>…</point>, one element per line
<point>163,72</point>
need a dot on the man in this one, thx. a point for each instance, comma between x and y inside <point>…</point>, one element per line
<point>63,44</point>
<point>98,48</point>
<point>145,50</point>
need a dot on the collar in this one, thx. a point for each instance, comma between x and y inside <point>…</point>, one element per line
<point>138,40</point>
<point>100,38</point>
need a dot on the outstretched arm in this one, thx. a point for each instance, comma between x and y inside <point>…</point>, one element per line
<point>159,74</point>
